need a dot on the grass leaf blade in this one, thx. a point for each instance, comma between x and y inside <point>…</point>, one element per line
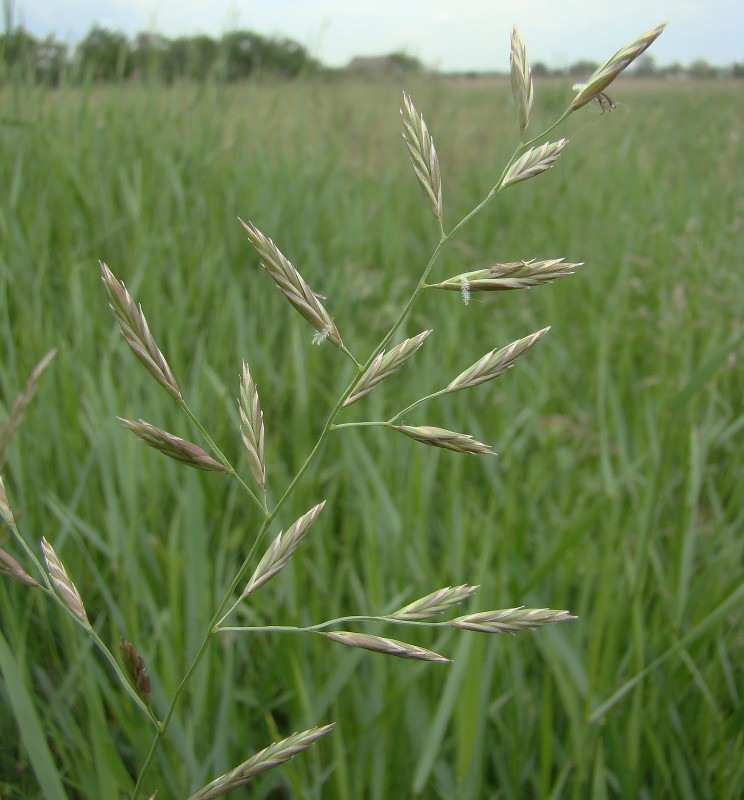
<point>29,726</point>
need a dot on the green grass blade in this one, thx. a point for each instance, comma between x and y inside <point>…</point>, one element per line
<point>29,726</point>
<point>730,603</point>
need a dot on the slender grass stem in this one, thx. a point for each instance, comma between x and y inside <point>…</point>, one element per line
<point>419,402</point>
<point>371,424</point>
<point>160,733</point>
<point>521,147</point>
<point>327,624</point>
<point>109,656</point>
<point>223,458</point>
<point>30,553</point>
<point>215,625</point>
<point>549,129</point>
<point>347,352</point>
<point>409,305</point>
<point>219,614</point>
<point>216,450</point>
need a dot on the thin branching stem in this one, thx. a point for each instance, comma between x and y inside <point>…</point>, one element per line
<point>419,402</point>
<point>109,656</point>
<point>409,305</point>
<point>550,129</point>
<point>348,352</point>
<point>521,147</point>
<point>30,553</point>
<point>222,458</point>
<point>327,624</point>
<point>99,643</point>
<point>220,613</point>
<point>368,424</point>
<point>223,612</point>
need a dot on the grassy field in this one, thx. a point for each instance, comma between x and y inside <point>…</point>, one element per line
<point>618,492</point>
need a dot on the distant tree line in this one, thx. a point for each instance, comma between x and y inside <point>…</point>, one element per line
<point>105,55</point>
<point>646,67</point>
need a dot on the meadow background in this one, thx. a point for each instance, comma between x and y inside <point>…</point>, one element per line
<point>618,492</point>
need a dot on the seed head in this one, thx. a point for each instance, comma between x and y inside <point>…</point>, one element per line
<point>603,76</point>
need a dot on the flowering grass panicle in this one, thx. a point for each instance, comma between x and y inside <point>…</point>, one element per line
<point>237,582</point>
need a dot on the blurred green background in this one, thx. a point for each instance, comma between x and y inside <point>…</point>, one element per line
<point>618,492</point>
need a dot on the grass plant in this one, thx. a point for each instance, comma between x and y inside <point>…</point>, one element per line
<point>616,493</point>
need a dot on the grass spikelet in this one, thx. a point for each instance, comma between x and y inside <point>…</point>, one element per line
<point>281,550</point>
<point>385,365</point>
<point>64,587</point>
<point>272,756</point>
<point>10,426</point>
<point>136,670</point>
<point>511,620</point>
<point>535,161</point>
<point>521,80</point>
<point>435,603</point>
<point>495,363</point>
<point>525,274</point>
<point>508,277</point>
<point>449,440</point>
<point>10,567</point>
<point>380,644</point>
<point>137,334</point>
<point>292,285</point>
<point>252,427</point>
<point>5,510</point>
<point>423,154</point>
<point>605,74</point>
<point>172,446</point>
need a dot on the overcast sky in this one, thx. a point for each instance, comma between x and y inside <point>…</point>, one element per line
<point>448,34</point>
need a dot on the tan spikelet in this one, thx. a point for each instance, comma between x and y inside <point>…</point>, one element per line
<point>533,162</point>
<point>173,446</point>
<point>281,550</point>
<point>10,567</point>
<point>272,756</point>
<point>605,74</point>
<point>385,365</point>
<point>495,363</point>
<point>137,334</point>
<point>511,620</point>
<point>508,277</point>
<point>6,512</point>
<point>64,587</point>
<point>521,80</point>
<point>449,440</point>
<point>252,427</point>
<point>292,285</point>
<point>423,154</point>
<point>435,603</point>
<point>380,644</point>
